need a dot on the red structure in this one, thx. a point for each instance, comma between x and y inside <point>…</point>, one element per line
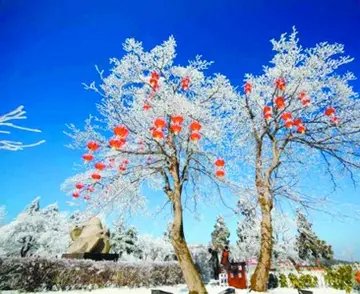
<point>237,275</point>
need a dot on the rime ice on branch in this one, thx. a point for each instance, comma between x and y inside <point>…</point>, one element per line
<point>5,119</point>
<point>161,126</point>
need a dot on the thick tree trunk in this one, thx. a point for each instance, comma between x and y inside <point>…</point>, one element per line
<point>191,275</point>
<point>260,277</point>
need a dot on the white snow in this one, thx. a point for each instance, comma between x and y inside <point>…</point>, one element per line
<point>182,289</point>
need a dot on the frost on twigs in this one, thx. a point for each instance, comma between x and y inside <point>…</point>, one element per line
<point>17,114</point>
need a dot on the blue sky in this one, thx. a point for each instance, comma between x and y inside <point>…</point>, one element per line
<point>48,48</point>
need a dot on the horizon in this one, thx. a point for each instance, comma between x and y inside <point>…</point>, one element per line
<point>50,49</point>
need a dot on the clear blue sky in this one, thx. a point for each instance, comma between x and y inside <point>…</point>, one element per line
<point>49,47</point>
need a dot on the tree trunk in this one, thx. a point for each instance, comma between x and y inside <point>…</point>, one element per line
<point>191,275</point>
<point>260,277</point>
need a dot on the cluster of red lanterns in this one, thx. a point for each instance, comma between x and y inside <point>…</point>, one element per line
<point>157,129</point>
<point>247,88</point>
<point>305,100</point>
<point>195,128</point>
<point>92,146</point>
<point>154,80</point>
<point>176,121</point>
<point>79,188</point>
<point>121,133</point>
<point>330,112</point>
<point>267,112</point>
<point>219,164</point>
<point>289,122</point>
<point>123,165</point>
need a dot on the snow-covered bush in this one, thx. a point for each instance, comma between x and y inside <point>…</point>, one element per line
<point>341,277</point>
<point>32,274</point>
<point>154,249</point>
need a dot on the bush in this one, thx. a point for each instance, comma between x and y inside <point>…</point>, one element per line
<point>273,281</point>
<point>340,277</point>
<point>283,281</point>
<point>303,281</point>
<point>31,274</point>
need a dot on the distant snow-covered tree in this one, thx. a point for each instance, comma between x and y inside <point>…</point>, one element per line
<point>308,244</point>
<point>34,231</point>
<point>220,235</point>
<point>2,215</point>
<point>17,114</point>
<point>154,249</point>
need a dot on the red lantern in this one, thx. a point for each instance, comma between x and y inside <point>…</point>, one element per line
<point>79,186</point>
<point>158,134</point>
<point>185,82</point>
<point>280,102</point>
<point>160,123</point>
<point>96,177</point>
<point>121,131</point>
<point>116,143</point>
<point>76,194</point>
<point>122,168</point>
<point>306,102</point>
<point>289,124</point>
<point>100,166</point>
<point>176,129</point>
<point>335,119</point>
<point>177,119</point>
<point>88,157</point>
<point>267,109</point>
<point>268,115</point>
<point>301,129</point>
<point>146,106</point>
<point>298,122</point>
<point>155,75</point>
<point>154,84</point>
<point>87,197</point>
<point>286,116</point>
<point>357,276</point>
<point>90,189</point>
<point>220,173</point>
<point>195,126</point>
<point>280,84</point>
<point>220,162</point>
<point>247,88</point>
<point>195,136</point>
<point>302,95</point>
<point>330,111</point>
<point>93,146</point>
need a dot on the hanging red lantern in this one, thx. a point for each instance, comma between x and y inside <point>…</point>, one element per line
<point>306,102</point>
<point>177,119</point>
<point>160,123</point>
<point>267,109</point>
<point>79,186</point>
<point>76,194</point>
<point>88,157</point>
<point>280,102</point>
<point>195,136</point>
<point>116,143</point>
<point>280,84</point>
<point>90,189</point>
<point>286,116</point>
<point>96,176</point>
<point>176,129</point>
<point>158,134</point>
<point>100,166</point>
<point>288,124</point>
<point>155,75</point>
<point>121,131</point>
<point>220,162</point>
<point>185,82</point>
<point>302,95</point>
<point>146,106</point>
<point>301,129</point>
<point>330,111</point>
<point>195,126</point>
<point>268,115</point>
<point>93,146</point>
<point>357,277</point>
<point>220,173</point>
<point>87,197</point>
<point>298,122</point>
<point>122,168</point>
<point>247,88</point>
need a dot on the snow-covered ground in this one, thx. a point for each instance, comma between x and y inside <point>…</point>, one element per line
<point>183,290</point>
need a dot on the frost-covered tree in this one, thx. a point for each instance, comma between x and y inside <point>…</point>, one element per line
<point>159,125</point>
<point>154,249</point>
<point>124,240</point>
<point>308,243</point>
<point>2,215</point>
<point>34,231</point>
<point>5,123</point>
<point>221,234</point>
<point>299,117</point>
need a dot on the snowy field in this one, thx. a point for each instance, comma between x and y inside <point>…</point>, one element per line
<point>183,290</point>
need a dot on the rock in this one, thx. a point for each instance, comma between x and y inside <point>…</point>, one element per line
<point>305,292</point>
<point>228,291</point>
<point>90,238</point>
<point>159,292</point>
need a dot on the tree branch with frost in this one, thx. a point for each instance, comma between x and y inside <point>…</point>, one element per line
<point>16,114</point>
